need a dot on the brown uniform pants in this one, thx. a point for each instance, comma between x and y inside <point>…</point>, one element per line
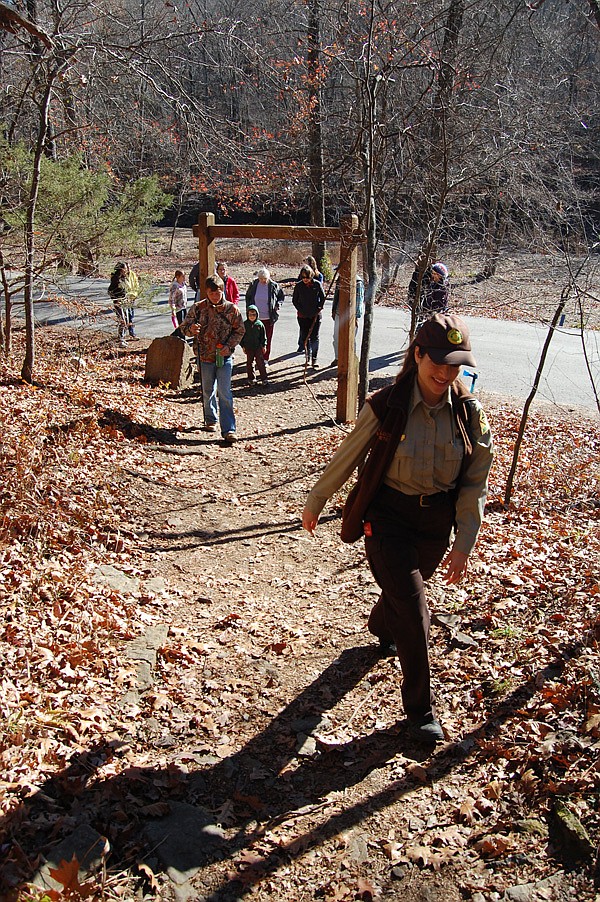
<point>406,537</point>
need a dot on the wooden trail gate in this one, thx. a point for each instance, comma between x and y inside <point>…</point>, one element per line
<point>349,238</point>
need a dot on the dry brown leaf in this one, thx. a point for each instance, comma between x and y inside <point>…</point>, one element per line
<point>67,874</point>
<point>492,846</point>
<point>393,851</point>
<point>468,811</point>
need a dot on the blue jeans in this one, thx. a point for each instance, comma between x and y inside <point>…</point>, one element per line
<point>216,382</point>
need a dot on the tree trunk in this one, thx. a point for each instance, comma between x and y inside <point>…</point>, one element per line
<point>177,215</point>
<point>538,375</point>
<point>40,146</point>
<point>316,188</point>
<point>495,227</point>
<point>372,286</point>
<point>6,328</point>
<point>446,78</point>
<point>371,289</point>
<point>440,122</point>
<point>386,265</point>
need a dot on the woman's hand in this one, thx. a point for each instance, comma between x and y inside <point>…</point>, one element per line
<point>456,564</point>
<point>309,521</point>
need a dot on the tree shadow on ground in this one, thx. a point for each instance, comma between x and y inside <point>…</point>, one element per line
<point>190,539</point>
<point>380,363</point>
<point>256,785</point>
<point>178,438</point>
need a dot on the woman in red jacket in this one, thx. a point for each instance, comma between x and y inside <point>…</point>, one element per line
<point>231,290</point>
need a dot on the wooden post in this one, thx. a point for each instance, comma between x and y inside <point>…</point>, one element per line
<point>347,392</point>
<point>206,231</point>
<point>206,249</point>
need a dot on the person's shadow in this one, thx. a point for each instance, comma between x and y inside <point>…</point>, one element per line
<point>257,782</point>
<point>181,821</point>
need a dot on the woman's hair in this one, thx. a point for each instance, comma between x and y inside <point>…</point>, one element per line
<point>263,273</point>
<point>119,268</point>
<point>307,271</point>
<point>312,263</point>
<point>178,272</point>
<point>220,263</point>
<point>409,364</point>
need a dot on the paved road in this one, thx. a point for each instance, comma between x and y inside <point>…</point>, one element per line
<point>507,353</point>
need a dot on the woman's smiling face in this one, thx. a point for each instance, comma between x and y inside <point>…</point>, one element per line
<point>434,378</point>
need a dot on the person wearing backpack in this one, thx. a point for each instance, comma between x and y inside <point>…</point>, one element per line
<point>124,289</point>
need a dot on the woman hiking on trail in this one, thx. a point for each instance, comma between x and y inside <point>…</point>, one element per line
<point>308,299</point>
<point>427,452</point>
<point>265,294</point>
<point>124,289</point>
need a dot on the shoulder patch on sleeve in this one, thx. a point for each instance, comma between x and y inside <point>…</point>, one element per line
<point>477,417</point>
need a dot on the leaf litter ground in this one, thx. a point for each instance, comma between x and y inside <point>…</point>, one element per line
<point>270,709</point>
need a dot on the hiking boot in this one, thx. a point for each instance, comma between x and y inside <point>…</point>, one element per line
<point>427,729</point>
<point>230,437</point>
<point>315,365</point>
<point>210,427</point>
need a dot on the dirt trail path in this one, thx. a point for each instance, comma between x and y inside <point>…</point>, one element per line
<point>267,755</point>
<point>272,702</point>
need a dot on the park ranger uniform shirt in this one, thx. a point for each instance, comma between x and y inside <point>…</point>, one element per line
<point>427,460</point>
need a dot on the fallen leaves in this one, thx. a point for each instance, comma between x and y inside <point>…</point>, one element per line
<point>519,701</point>
<point>67,874</point>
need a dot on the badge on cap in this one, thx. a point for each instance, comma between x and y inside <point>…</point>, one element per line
<point>454,336</point>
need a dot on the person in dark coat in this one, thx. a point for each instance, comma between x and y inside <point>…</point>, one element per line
<point>433,292</point>
<point>309,299</point>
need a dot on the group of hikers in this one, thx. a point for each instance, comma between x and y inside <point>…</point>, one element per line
<point>422,445</point>
<point>217,327</point>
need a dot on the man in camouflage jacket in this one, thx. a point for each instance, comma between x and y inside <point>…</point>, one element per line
<point>217,327</point>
